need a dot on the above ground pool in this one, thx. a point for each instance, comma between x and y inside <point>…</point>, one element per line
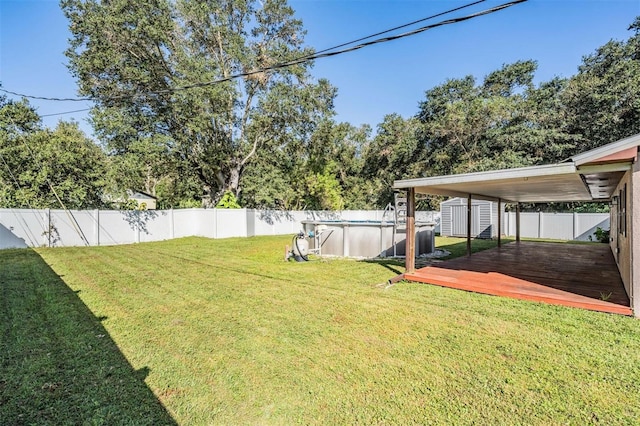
<point>366,239</point>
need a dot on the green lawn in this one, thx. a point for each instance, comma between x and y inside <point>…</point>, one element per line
<point>198,331</point>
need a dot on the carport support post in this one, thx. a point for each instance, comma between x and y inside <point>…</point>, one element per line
<point>469,225</point>
<point>410,240</point>
<point>518,222</point>
<point>499,222</point>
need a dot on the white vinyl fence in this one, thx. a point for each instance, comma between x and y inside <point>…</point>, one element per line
<point>56,228</point>
<point>21,228</point>
<point>561,226</point>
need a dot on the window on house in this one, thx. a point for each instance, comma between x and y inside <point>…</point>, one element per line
<point>622,210</point>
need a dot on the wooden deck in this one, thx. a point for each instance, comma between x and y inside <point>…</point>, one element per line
<point>576,275</point>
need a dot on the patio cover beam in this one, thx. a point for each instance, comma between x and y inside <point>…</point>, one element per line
<point>499,222</point>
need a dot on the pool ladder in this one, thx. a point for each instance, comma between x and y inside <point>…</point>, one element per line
<point>399,217</point>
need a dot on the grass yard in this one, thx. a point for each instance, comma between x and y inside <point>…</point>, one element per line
<point>198,331</point>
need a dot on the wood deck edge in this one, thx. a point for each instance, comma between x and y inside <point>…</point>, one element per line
<point>596,305</point>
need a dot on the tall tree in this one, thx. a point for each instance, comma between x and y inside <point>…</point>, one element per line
<point>161,67</point>
<point>43,168</point>
<point>394,153</point>
<point>321,172</point>
<point>504,122</point>
<point>603,99</point>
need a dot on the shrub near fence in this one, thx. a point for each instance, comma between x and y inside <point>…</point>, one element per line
<point>57,228</point>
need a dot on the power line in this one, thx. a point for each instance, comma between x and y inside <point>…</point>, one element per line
<point>322,54</point>
<point>347,50</point>
<point>44,98</point>
<point>401,26</point>
<point>65,112</point>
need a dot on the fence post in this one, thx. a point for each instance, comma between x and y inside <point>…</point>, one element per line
<point>172,231</point>
<point>540,224</point>
<point>48,226</point>
<point>251,222</point>
<point>576,225</point>
<point>137,227</point>
<point>215,222</point>
<point>96,226</point>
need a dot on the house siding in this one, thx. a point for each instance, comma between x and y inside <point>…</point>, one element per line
<point>634,231</point>
<point>625,239</point>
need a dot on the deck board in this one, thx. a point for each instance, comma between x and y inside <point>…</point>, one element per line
<point>576,275</point>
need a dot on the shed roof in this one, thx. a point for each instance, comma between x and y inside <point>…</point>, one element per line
<point>590,176</point>
<point>142,195</point>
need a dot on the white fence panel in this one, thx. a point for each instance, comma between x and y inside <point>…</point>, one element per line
<point>276,222</point>
<point>116,228</point>
<point>185,222</point>
<point>588,223</point>
<point>556,225</point>
<point>69,228</point>
<point>21,228</point>
<point>529,225</point>
<point>206,223</point>
<point>154,225</point>
<point>364,215</point>
<point>560,226</point>
<point>231,223</point>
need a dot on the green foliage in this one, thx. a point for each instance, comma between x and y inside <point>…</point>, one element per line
<point>270,139</point>
<point>602,235</point>
<point>324,191</point>
<point>228,201</point>
<point>322,171</point>
<point>132,57</point>
<point>189,204</point>
<point>394,153</point>
<point>603,99</point>
<point>42,168</point>
<point>505,122</point>
<point>574,207</point>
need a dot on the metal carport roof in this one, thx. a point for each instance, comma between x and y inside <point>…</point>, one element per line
<point>590,176</point>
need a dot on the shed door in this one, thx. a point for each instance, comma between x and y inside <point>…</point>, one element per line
<point>459,220</point>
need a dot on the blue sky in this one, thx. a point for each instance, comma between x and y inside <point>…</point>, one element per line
<point>372,82</point>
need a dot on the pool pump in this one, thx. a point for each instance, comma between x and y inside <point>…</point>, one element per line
<point>299,248</point>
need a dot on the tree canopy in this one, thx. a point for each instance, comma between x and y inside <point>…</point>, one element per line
<point>172,120</point>
<point>165,68</point>
<point>43,168</point>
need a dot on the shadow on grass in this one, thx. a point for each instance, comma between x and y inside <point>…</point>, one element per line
<point>458,248</point>
<point>58,364</point>
<point>394,265</point>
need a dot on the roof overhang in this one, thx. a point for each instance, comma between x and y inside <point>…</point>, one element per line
<point>591,176</point>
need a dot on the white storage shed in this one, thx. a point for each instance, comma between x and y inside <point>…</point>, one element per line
<point>484,218</point>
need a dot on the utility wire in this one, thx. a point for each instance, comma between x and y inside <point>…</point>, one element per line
<point>437,15</point>
<point>65,112</point>
<point>350,49</point>
<point>44,98</point>
<point>322,54</point>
